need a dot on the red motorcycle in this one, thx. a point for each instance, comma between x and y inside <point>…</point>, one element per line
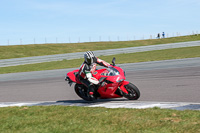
<point>112,84</point>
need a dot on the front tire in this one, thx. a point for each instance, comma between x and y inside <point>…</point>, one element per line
<point>133,92</point>
<point>82,92</point>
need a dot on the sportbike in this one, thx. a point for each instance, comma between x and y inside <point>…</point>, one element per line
<point>112,84</point>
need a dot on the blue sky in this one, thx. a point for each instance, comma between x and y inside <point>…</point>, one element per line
<point>34,21</point>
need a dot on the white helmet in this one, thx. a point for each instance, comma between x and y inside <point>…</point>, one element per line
<point>89,57</point>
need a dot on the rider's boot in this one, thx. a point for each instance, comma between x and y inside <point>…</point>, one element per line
<point>91,91</point>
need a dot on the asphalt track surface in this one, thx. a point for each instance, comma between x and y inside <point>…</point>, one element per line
<point>158,81</point>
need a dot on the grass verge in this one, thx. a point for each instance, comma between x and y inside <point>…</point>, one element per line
<point>177,53</point>
<point>47,119</point>
<point>17,51</point>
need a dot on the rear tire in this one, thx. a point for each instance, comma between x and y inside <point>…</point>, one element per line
<point>82,92</point>
<point>133,92</point>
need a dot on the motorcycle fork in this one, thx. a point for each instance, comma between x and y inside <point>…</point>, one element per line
<point>122,89</point>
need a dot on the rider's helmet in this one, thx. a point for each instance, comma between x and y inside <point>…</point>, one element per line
<point>89,57</point>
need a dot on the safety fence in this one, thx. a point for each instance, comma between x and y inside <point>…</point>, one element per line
<point>49,40</point>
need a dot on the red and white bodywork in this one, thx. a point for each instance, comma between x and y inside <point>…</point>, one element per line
<point>112,83</point>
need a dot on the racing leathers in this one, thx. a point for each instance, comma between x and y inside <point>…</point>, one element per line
<point>86,70</point>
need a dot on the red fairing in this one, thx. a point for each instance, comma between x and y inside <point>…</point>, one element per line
<point>71,75</point>
<point>108,90</point>
<point>97,73</point>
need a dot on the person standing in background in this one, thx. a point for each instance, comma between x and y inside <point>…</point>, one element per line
<point>163,35</point>
<point>158,36</point>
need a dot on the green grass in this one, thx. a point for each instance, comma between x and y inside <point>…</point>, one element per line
<point>72,119</point>
<point>177,53</point>
<point>17,51</point>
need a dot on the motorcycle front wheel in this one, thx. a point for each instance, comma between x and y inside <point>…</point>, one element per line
<point>133,92</point>
<point>82,92</point>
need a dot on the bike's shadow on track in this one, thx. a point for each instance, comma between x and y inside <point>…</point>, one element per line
<point>79,102</point>
<point>90,102</point>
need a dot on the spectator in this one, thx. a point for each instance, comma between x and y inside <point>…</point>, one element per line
<point>163,35</point>
<point>158,36</point>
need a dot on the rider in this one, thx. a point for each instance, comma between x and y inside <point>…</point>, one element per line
<point>87,69</point>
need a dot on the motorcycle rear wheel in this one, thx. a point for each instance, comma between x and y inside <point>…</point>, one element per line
<point>133,92</point>
<point>82,92</point>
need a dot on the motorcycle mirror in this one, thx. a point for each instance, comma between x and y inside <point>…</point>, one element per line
<point>113,61</point>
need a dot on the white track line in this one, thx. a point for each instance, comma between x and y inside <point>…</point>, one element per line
<point>113,104</point>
